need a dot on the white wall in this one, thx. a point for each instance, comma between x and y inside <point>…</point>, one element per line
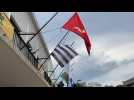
<point>27,24</point>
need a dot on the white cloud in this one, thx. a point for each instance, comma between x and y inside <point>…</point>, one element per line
<point>117,75</point>
<point>111,72</point>
<point>105,59</point>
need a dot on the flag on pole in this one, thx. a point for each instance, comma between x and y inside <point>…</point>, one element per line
<point>63,54</point>
<point>75,25</point>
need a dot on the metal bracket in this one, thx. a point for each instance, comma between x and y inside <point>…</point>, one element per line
<point>24,33</point>
<point>42,58</point>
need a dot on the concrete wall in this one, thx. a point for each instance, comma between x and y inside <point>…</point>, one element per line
<point>15,70</point>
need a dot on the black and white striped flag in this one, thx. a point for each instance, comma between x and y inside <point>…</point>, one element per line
<point>63,54</point>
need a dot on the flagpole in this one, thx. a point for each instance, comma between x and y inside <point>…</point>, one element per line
<point>54,70</point>
<point>62,38</point>
<point>41,28</point>
<point>59,76</point>
<point>71,65</point>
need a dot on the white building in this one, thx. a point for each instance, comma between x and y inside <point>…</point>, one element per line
<point>18,64</point>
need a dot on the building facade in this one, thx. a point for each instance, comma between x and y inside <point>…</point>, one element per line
<point>22,63</point>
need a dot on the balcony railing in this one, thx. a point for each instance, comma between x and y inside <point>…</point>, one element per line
<point>23,47</point>
<point>19,43</point>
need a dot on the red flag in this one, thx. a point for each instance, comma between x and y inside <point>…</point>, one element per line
<point>75,25</point>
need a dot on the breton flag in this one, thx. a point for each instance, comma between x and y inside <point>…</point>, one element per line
<point>63,54</point>
<point>75,25</point>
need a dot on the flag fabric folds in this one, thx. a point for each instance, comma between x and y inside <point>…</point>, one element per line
<point>63,54</point>
<point>75,25</point>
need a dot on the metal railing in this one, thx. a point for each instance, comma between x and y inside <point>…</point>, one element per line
<point>19,43</point>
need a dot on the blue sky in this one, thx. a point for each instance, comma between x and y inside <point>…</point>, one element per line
<point>112,36</point>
